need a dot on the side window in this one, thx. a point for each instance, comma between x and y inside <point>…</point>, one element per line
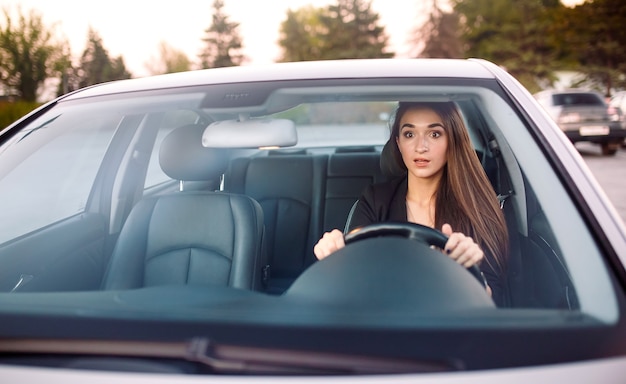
<point>49,171</point>
<point>154,174</point>
<point>171,120</point>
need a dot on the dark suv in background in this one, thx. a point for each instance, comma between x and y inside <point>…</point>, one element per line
<point>584,116</point>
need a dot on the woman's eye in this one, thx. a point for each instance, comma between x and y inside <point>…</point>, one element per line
<point>408,134</point>
<point>435,134</point>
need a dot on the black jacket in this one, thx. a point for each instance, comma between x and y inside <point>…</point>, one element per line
<point>386,201</point>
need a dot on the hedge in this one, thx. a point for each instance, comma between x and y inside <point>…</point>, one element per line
<point>12,111</point>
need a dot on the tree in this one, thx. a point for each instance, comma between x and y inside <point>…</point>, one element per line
<point>594,38</point>
<point>512,33</point>
<point>439,35</point>
<point>302,35</point>
<point>223,42</point>
<point>28,54</point>
<point>352,32</point>
<point>346,30</point>
<point>96,66</point>
<point>170,60</point>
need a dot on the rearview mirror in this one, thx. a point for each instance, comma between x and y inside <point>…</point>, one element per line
<point>253,133</point>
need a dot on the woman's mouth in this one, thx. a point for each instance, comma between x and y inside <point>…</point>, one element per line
<point>421,162</point>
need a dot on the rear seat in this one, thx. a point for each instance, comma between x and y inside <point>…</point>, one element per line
<point>348,174</point>
<point>290,189</point>
<point>302,195</point>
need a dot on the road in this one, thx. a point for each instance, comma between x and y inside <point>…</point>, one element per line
<point>610,171</point>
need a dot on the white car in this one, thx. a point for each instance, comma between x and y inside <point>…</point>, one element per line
<point>162,229</point>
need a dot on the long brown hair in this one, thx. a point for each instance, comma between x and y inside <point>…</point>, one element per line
<point>465,198</point>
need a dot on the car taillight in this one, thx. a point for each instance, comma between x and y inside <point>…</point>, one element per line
<point>614,114</point>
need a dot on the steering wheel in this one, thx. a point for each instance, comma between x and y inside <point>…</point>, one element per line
<point>412,231</point>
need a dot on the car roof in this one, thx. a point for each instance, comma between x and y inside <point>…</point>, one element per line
<point>329,69</point>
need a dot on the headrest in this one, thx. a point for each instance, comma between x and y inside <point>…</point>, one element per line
<point>391,163</point>
<point>289,151</point>
<point>356,149</point>
<point>182,156</point>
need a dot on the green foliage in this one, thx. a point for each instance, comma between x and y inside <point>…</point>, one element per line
<point>302,35</point>
<point>512,33</point>
<point>170,60</point>
<point>353,31</point>
<point>530,38</point>
<point>28,54</point>
<point>12,111</point>
<point>440,35</point>
<point>593,37</point>
<point>223,43</point>
<point>96,66</point>
<point>346,30</point>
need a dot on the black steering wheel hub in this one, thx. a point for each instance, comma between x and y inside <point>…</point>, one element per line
<point>391,266</point>
<point>421,233</point>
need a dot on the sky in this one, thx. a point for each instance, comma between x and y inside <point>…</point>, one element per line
<point>135,28</point>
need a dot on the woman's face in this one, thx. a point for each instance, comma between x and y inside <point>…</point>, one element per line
<point>423,143</point>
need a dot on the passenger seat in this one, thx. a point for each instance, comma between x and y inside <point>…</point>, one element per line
<point>200,238</point>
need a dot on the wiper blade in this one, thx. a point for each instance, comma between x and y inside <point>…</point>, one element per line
<point>43,125</point>
<point>230,359</point>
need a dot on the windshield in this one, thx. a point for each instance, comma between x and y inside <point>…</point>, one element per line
<point>168,207</point>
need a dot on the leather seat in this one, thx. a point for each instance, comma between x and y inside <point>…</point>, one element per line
<point>290,191</point>
<point>391,167</point>
<point>348,175</point>
<point>302,195</point>
<point>391,164</point>
<point>190,237</point>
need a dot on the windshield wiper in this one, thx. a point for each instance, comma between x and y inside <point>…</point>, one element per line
<point>229,359</point>
<point>43,125</point>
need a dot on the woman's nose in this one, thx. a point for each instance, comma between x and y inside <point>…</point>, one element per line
<point>421,144</point>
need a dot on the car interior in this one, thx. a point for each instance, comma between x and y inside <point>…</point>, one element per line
<point>247,217</point>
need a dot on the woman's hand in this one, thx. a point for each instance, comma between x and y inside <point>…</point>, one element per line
<point>331,241</point>
<point>461,248</point>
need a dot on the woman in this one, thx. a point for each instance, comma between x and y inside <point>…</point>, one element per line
<point>445,187</point>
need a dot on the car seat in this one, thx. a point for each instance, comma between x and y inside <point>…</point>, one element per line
<point>190,237</point>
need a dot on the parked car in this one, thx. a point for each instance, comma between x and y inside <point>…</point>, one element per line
<point>162,229</point>
<point>584,116</point>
